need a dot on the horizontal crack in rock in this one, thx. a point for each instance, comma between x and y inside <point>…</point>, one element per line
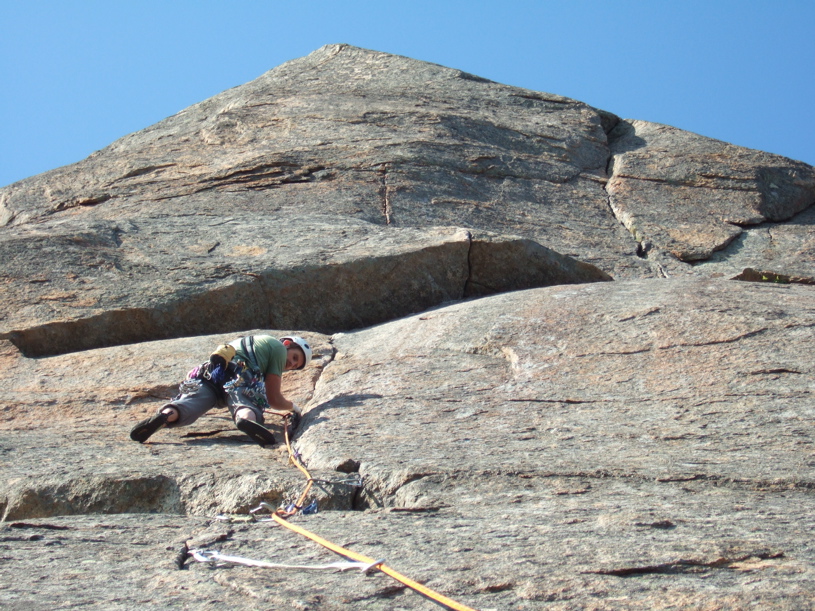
<point>753,275</point>
<point>705,185</point>
<point>687,566</point>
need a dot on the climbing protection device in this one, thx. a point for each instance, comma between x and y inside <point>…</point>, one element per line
<point>280,516</point>
<point>246,382</point>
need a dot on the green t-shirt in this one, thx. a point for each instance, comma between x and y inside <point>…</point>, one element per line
<point>269,352</point>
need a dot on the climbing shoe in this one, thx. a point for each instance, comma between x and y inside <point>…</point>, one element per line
<point>259,433</point>
<point>142,431</point>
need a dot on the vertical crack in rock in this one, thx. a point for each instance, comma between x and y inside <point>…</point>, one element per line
<point>385,192</point>
<point>468,279</point>
<point>642,246</point>
<point>330,359</point>
<point>358,501</point>
<point>7,215</point>
<point>181,557</point>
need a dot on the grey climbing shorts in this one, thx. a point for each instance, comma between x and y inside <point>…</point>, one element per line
<point>197,398</point>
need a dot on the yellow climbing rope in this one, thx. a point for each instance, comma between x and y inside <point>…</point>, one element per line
<point>280,517</point>
<point>295,460</point>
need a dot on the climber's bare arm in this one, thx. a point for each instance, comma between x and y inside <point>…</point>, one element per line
<point>277,402</point>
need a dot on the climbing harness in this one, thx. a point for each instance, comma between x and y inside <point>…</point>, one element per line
<point>203,374</point>
<point>309,509</point>
<point>248,347</point>
<point>248,383</point>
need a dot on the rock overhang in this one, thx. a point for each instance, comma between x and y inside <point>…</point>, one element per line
<point>323,273</point>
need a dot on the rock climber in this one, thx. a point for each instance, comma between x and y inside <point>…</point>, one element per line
<point>245,375</point>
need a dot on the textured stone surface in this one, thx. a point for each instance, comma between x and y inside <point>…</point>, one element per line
<point>642,444</point>
<point>691,196</point>
<point>781,248</point>
<point>639,444</point>
<point>564,550</point>
<point>677,379</point>
<point>105,288</point>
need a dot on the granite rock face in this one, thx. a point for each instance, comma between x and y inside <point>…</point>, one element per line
<point>692,196</point>
<point>309,174</point>
<point>648,442</point>
<point>486,410</point>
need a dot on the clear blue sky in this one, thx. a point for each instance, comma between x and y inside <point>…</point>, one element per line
<point>77,75</point>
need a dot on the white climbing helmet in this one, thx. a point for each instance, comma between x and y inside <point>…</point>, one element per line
<point>300,342</point>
